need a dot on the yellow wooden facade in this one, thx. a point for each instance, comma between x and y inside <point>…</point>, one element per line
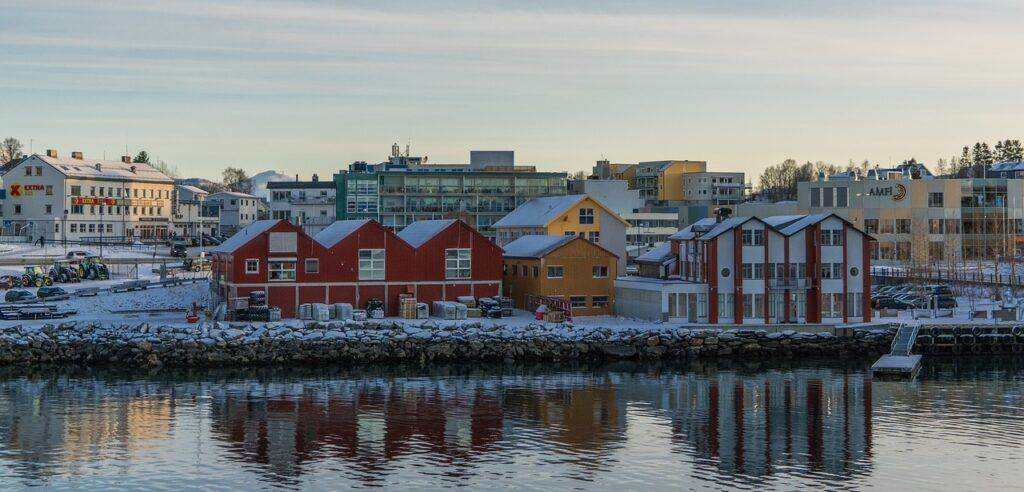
<point>587,272</point>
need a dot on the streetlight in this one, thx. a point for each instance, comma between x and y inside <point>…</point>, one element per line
<point>64,231</point>
<point>101,229</point>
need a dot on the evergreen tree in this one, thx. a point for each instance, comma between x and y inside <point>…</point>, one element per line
<point>141,157</point>
<point>966,159</point>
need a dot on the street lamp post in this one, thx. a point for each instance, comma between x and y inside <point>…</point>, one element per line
<point>64,231</point>
<point>101,231</point>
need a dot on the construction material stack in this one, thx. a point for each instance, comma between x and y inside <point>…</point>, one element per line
<point>407,306</point>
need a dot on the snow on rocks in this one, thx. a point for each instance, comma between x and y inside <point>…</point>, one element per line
<point>219,343</point>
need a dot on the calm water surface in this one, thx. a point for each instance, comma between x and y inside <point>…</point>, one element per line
<point>620,426</point>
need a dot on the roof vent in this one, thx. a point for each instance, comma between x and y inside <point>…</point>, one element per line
<point>132,169</point>
<point>99,167</point>
<point>127,159</point>
<point>76,155</point>
<point>51,153</point>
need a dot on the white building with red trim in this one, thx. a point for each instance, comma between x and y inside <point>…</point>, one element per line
<point>742,270</point>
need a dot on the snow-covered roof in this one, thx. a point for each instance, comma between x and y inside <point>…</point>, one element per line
<point>193,189</point>
<point>538,212</point>
<point>418,233</point>
<point>800,223</point>
<point>534,246</point>
<point>693,230</point>
<point>104,169</point>
<point>1008,166</point>
<point>337,231</point>
<point>658,254</point>
<point>778,221</point>
<point>232,193</point>
<point>723,226</point>
<point>245,235</point>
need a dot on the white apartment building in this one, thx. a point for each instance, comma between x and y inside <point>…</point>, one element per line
<point>192,214</point>
<point>75,198</point>
<point>745,270</point>
<point>237,210</point>
<point>308,204</point>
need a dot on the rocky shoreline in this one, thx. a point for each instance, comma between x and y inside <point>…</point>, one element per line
<point>293,342</point>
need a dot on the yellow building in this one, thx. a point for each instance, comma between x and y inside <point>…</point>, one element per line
<point>663,180</point>
<point>568,215</point>
<point>567,267</point>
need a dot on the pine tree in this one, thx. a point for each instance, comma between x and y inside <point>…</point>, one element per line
<point>1000,155</point>
<point>142,157</point>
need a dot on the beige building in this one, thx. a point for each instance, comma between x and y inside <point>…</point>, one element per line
<point>926,220</point>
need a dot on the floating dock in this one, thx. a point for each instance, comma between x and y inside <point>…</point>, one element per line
<point>900,363</point>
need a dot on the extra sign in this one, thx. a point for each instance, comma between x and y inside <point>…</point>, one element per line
<point>18,189</point>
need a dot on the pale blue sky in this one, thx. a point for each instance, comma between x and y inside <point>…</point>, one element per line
<point>306,87</point>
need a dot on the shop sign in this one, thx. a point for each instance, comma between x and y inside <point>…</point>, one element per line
<point>898,192</point>
<point>18,189</point>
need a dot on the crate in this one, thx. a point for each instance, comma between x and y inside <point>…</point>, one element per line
<point>554,317</point>
<point>469,301</point>
<point>473,313</point>
<point>407,308</point>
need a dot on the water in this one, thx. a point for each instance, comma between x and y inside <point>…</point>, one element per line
<point>619,426</point>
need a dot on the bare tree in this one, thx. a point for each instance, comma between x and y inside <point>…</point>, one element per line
<point>168,169</point>
<point>10,149</point>
<point>235,179</point>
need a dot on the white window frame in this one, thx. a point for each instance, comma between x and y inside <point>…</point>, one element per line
<point>253,261</point>
<point>311,261</point>
<point>599,271</point>
<point>561,271</point>
<point>273,267</point>
<point>572,302</point>
<point>599,301</point>
<point>458,263</point>
<point>372,264</point>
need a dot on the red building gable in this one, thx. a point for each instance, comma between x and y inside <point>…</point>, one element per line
<point>355,261</point>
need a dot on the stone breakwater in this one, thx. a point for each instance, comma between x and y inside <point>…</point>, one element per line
<point>225,344</point>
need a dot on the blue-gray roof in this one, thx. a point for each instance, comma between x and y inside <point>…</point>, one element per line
<point>534,246</point>
<point>337,231</point>
<point>418,233</point>
<point>537,212</point>
<point>244,236</point>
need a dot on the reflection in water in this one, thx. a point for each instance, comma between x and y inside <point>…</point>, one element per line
<point>610,426</point>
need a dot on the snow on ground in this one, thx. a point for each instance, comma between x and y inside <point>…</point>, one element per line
<point>51,251</point>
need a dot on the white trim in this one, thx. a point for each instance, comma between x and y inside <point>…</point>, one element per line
<point>367,284</point>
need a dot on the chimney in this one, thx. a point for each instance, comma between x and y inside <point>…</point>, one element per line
<point>98,166</point>
<point>51,153</point>
<point>127,159</point>
<point>76,155</point>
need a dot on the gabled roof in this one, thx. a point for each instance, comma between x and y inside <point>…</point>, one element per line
<point>232,193</point>
<point>338,231</point>
<point>805,221</point>
<point>540,211</point>
<point>103,169</point>
<point>535,246</point>
<point>659,254</point>
<point>419,232</point>
<point>193,189</point>
<point>693,230</point>
<point>245,235</point>
<point>725,226</point>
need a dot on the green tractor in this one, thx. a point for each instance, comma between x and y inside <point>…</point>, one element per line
<point>35,276</point>
<point>93,269</point>
<point>63,271</point>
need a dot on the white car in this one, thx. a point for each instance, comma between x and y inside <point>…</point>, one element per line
<point>78,255</point>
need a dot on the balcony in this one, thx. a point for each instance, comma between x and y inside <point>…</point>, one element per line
<point>788,284</point>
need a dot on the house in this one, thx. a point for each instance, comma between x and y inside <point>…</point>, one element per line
<point>354,261</point>
<point>310,204</point>
<point>568,215</point>
<point>740,270</point>
<point>568,267</point>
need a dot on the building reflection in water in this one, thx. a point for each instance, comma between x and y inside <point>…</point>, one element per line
<point>818,421</point>
<point>724,423</point>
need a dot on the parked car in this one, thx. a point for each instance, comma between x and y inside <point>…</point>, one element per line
<point>48,292</point>
<point>938,290</point>
<point>210,240</point>
<point>77,255</point>
<point>17,295</point>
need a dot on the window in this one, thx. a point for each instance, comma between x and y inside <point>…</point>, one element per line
<point>17,209</point>
<point>282,242</point>
<point>110,227</point>
<point>600,271</point>
<point>457,263</point>
<point>76,190</point>
<point>725,306</point>
<point>371,264</point>
<point>935,199</point>
<point>935,226</point>
<point>536,272</point>
<point>252,266</point>
<point>902,226</point>
<point>753,237</point>
<point>578,301</point>
<point>594,236</point>
<point>77,209</point>
<point>49,190</point>
<point>887,226</point>
<point>599,301</point>
<point>753,271</point>
<point>281,270</point>
<point>815,197</point>
<point>842,195</point>
<point>312,265</point>
<point>555,271</point>
<point>586,216</point>
<point>28,170</point>
<point>831,237</point>
<point>74,227</point>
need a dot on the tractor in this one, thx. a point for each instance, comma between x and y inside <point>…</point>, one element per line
<point>9,281</point>
<point>63,271</point>
<point>93,269</point>
<point>35,276</point>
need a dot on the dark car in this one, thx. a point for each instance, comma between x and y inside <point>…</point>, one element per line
<point>17,295</point>
<point>179,250</point>
<point>50,292</point>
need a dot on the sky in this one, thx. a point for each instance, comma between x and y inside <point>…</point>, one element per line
<point>310,86</point>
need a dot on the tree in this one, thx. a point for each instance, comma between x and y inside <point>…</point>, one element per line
<point>982,154</point>
<point>235,179</point>
<point>942,167</point>
<point>779,181</point>
<point>966,158</point>
<point>141,157</point>
<point>1009,151</point>
<point>169,170</point>
<point>10,149</point>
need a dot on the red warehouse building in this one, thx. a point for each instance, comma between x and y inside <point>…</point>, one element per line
<point>354,261</point>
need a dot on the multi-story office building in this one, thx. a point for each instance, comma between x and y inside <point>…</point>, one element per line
<point>308,204</point>
<point>406,189</point>
<point>925,221</point>
<point>662,181</point>
<point>75,198</point>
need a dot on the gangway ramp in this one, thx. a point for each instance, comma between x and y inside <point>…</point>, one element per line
<point>900,363</point>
